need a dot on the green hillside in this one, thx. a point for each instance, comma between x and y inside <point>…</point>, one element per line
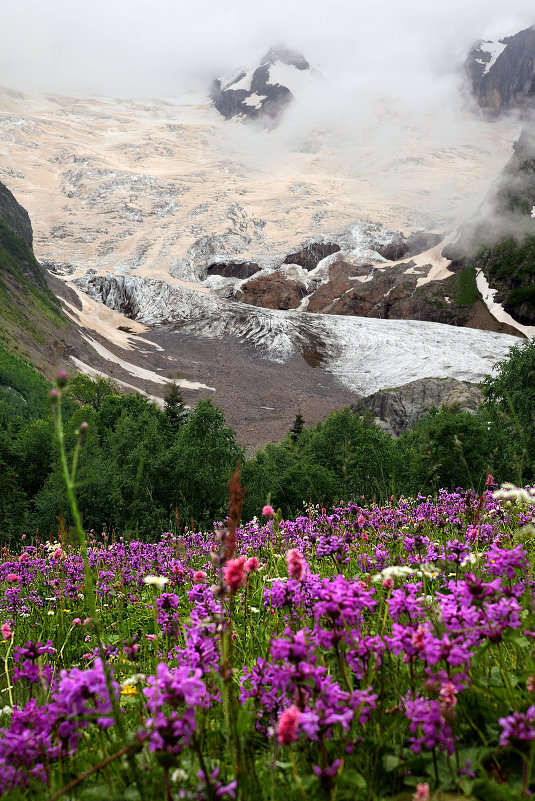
<point>31,321</point>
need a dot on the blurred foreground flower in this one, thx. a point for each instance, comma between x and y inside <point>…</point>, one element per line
<point>156,581</point>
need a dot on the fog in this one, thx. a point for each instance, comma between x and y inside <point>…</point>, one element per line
<point>139,48</point>
<point>389,106</point>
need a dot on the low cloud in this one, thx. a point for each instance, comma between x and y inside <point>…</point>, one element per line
<point>163,47</point>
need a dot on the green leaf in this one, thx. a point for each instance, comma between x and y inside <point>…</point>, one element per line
<point>390,762</point>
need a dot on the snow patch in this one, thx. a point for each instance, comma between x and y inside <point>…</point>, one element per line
<point>286,75</point>
<point>140,372</point>
<point>229,81</point>
<point>495,49</point>
<point>533,211</point>
<point>92,373</point>
<point>496,309</point>
<point>254,100</point>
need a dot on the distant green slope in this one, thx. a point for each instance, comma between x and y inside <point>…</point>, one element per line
<point>31,320</point>
<point>22,388</point>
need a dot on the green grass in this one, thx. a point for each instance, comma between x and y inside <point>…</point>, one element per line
<point>22,377</point>
<point>468,291</point>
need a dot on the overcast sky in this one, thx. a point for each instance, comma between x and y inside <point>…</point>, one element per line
<point>135,48</point>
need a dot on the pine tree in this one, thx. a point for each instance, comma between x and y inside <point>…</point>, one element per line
<point>298,426</point>
<point>174,406</point>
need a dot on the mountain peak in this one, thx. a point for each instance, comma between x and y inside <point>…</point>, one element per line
<point>264,91</point>
<point>502,72</point>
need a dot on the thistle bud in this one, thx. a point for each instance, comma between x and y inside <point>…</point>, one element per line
<point>62,378</point>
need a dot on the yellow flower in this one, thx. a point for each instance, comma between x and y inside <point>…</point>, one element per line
<point>130,689</point>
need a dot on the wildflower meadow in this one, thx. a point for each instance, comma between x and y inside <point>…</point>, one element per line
<point>361,652</point>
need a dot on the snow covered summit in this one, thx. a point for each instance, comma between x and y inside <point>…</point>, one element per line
<point>264,91</point>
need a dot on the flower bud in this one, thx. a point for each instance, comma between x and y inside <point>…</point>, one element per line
<point>62,378</point>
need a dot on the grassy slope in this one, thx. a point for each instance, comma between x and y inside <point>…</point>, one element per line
<point>31,321</point>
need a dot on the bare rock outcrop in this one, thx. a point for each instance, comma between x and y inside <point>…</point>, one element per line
<point>392,292</point>
<point>397,410</point>
<point>273,291</point>
<point>14,216</point>
<point>502,73</point>
<point>233,269</point>
<point>310,256</point>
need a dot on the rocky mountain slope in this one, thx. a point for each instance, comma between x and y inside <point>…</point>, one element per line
<point>502,73</point>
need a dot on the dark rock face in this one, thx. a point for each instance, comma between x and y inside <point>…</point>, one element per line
<point>259,96</point>
<point>397,410</point>
<point>399,247</point>
<point>365,290</point>
<point>14,216</point>
<point>272,292</point>
<point>510,80</point>
<point>388,293</point>
<point>16,238</point>
<point>311,255</point>
<point>233,269</point>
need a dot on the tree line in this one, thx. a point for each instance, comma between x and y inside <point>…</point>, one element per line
<point>143,470</point>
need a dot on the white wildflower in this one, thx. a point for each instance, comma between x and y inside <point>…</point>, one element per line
<point>137,678</point>
<point>469,559</point>
<point>429,571</point>
<point>156,581</point>
<point>510,492</point>
<point>394,571</point>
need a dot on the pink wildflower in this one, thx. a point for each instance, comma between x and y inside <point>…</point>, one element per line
<point>199,577</point>
<point>287,726</point>
<point>235,573</point>
<point>6,631</point>
<point>530,684</point>
<point>87,621</point>
<point>422,792</point>
<point>296,564</point>
<point>57,553</point>
<point>76,622</point>
<point>490,480</point>
<point>251,565</point>
<point>388,583</point>
<point>361,519</point>
<point>23,556</point>
<point>150,637</point>
<point>12,577</point>
<point>448,696</point>
<point>418,638</point>
<point>268,510</point>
